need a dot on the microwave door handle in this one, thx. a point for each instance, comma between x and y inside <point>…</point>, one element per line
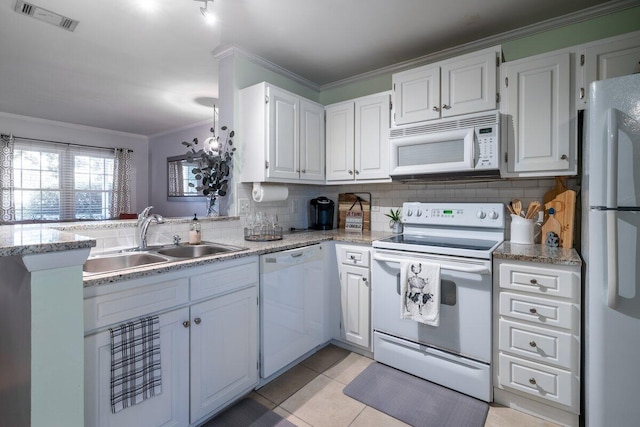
<point>474,270</point>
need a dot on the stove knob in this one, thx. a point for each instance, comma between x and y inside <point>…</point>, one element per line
<point>409,212</point>
<point>493,215</point>
<point>480,214</point>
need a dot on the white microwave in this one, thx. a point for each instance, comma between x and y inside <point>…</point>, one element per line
<point>465,147</point>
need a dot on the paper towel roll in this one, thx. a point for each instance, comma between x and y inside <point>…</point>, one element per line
<point>269,192</point>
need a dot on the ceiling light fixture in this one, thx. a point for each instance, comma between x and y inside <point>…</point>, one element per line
<point>208,15</point>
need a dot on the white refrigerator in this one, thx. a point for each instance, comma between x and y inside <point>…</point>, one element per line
<point>611,251</point>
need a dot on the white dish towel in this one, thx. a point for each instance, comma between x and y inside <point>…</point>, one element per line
<point>420,291</point>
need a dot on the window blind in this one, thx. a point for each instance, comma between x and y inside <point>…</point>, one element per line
<point>56,181</point>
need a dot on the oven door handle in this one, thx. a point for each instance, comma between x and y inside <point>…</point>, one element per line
<point>474,270</point>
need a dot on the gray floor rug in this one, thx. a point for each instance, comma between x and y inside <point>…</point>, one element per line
<point>415,401</point>
<point>246,413</point>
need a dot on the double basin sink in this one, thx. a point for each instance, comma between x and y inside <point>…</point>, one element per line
<point>133,258</point>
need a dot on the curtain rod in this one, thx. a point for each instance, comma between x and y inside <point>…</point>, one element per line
<point>68,143</point>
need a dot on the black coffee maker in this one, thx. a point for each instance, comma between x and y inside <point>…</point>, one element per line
<point>321,212</point>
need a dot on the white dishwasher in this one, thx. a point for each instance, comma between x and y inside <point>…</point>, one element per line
<point>293,300</point>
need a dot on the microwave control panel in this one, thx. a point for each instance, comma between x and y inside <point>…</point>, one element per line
<point>488,138</point>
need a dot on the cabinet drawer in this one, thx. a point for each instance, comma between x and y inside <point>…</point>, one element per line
<point>543,311</point>
<point>354,255</point>
<point>541,344</point>
<point>540,280</point>
<point>115,308</point>
<point>545,382</point>
<point>226,278</point>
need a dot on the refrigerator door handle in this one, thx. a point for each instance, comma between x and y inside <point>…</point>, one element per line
<point>612,258</point>
<point>612,203</point>
<point>612,158</point>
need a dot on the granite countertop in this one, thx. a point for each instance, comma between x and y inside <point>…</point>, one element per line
<point>290,241</point>
<point>537,253</point>
<point>25,239</point>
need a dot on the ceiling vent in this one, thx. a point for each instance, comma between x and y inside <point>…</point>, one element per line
<point>45,15</point>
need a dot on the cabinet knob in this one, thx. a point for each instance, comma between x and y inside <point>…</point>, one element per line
<point>297,170</point>
<point>303,171</point>
<point>186,323</point>
<point>533,311</point>
<point>532,381</point>
<point>533,344</point>
<point>350,172</point>
<point>197,320</point>
<point>357,172</point>
<point>364,279</point>
<point>435,109</point>
<point>533,281</point>
<point>446,107</point>
<point>564,157</point>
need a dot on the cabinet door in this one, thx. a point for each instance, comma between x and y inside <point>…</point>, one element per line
<point>224,350</point>
<point>416,95</point>
<point>311,141</point>
<point>340,134</point>
<point>170,408</point>
<point>619,57</point>
<point>283,134</point>
<point>539,115</point>
<point>469,85</point>
<point>372,137</point>
<point>355,303</point>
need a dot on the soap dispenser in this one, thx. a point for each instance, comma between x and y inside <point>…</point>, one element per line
<point>195,238</point>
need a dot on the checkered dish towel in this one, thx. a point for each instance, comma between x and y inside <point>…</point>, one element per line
<point>420,288</point>
<point>135,362</point>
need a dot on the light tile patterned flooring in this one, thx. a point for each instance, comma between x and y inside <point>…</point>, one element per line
<point>310,394</point>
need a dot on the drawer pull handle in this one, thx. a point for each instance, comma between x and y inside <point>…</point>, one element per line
<point>533,344</point>
<point>533,281</point>
<point>533,311</point>
<point>186,323</point>
<point>532,381</point>
<point>197,320</point>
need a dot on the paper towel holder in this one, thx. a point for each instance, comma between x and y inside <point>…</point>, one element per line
<point>259,193</point>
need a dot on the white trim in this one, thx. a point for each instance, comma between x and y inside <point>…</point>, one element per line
<point>230,49</point>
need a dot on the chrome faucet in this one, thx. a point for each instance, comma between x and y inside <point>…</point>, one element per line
<point>144,220</point>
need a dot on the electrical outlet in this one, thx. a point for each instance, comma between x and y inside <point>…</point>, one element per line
<point>375,205</point>
<point>243,206</point>
<point>294,206</point>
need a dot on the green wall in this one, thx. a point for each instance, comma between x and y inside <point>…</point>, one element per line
<point>598,28</point>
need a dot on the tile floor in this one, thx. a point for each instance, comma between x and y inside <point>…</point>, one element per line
<point>310,394</point>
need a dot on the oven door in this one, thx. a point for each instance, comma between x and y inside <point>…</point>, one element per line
<point>465,306</point>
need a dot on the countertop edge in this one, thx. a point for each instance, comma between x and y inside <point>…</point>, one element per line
<point>537,253</point>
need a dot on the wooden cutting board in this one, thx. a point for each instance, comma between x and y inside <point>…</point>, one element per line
<point>346,201</point>
<point>564,204</point>
<point>561,185</point>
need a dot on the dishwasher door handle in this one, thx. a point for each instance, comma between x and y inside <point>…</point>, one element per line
<point>443,266</point>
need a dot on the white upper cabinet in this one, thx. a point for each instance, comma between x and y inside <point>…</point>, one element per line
<point>281,136</point>
<point>358,139</point>
<point>612,57</point>
<point>540,127</point>
<point>461,85</point>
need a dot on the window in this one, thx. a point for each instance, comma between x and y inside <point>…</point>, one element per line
<point>61,182</point>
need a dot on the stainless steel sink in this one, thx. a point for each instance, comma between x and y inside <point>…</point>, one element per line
<point>196,251</point>
<point>108,263</point>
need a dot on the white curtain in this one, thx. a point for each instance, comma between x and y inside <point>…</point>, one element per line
<point>121,194</point>
<point>7,203</point>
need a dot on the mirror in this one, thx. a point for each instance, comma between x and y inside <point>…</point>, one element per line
<point>179,175</point>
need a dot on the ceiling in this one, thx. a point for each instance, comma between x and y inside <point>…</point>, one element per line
<point>142,71</point>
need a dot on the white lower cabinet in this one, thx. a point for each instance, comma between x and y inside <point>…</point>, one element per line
<point>537,333</point>
<point>170,408</point>
<point>208,342</point>
<point>355,294</point>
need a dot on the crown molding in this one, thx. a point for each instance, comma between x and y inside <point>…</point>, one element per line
<point>539,27</point>
<point>181,128</point>
<point>227,50</point>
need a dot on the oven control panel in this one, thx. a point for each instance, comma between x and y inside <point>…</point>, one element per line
<point>484,215</point>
